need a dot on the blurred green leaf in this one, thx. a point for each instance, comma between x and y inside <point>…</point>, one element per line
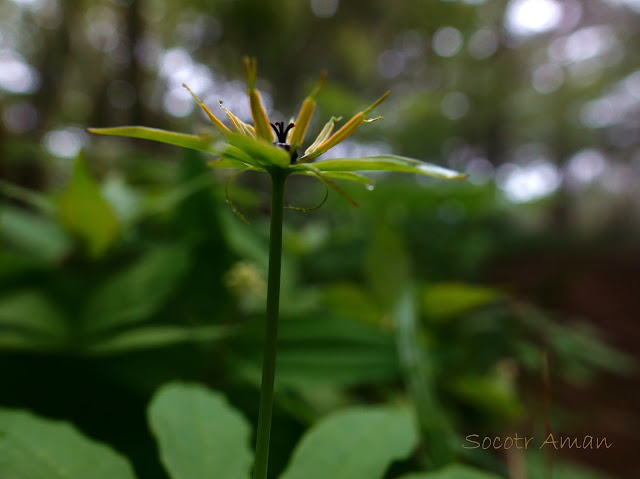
<point>354,443</point>
<point>35,235</point>
<point>334,351</point>
<point>15,264</point>
<point>124,199</point>
<point>494,394</point>
<point>12,340</point>
<point>537,469</point>
<point>33,312</point>
<point>453,472</point>
<point>163,136</point>
<point>156,337</point>
<point>172,198</point>
<point>579,349</point>
<point>352,301</point>
<point>388,163</point>
<point>322,350</point>
<point>35,199</point>
<point>199,434</point>
<point>139,291</point>
<point>387,264</point>
<point>417,365</point>
<point>37,448</point>
<point>85,211</point>
<point>446,300</point>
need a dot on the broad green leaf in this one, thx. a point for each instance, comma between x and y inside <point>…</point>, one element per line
<point>354,443</point>
<point>85,211</point>
<point>265,153</point>
<point>194,142</point>
<point>324,351</point>
<point>388,163</point>
<point>35,448</point>
<point>37,236</point>
<point>445,300</point>
<point>156,337</point>
<point>200,436</point>
<point>31,311</point>
<point>139,291</point>
<point>337,365</point>
<point>453,472</point>
<point>341,175</point>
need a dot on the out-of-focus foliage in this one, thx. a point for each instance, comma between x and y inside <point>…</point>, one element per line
<point>32,447</point>
<point>128,270</point>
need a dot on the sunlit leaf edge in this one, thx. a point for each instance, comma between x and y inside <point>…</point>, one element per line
<point>390,163</point>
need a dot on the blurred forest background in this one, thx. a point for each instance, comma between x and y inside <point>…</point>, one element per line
<point>128,269</point>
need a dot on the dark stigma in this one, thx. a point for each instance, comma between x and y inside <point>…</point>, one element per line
<point>280,130</point>
<point>281,133</point>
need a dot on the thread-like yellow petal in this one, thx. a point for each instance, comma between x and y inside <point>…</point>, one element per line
<point>259,114</point>
<point>239,125</point>
<point>305,114</point>
<point>214,119</point>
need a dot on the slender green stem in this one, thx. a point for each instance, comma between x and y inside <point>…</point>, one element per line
<point>278,179</point>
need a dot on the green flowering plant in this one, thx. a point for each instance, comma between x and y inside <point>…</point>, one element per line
<point>254,147</point>
<point>274,148</point>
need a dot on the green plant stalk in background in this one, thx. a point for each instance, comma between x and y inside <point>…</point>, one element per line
<point>263,435</point>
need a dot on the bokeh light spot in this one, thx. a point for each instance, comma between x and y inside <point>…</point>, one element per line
<point>455,105</point>
<point>547,78</point>
<point>585,166</point>
<point>530,182</point>
<point>530,17</point>
<point>483,44</point>
<point>390,63</point>
<point>324,8</point>
<point>16,76</point>
<point>64,143</point>
<point>447,41</point>
<point>20,117</point>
